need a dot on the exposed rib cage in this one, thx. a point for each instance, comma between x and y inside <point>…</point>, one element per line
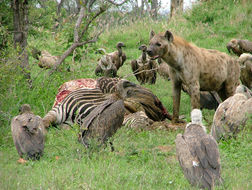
<point>75,107</point>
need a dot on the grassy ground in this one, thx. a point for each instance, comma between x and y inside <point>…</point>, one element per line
<point>142,160</point>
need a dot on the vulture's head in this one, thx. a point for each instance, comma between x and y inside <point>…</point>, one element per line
<point>101,51</point>
<point>196,119</point>
<point>143,48</point>
<point>233,44</point>
<point>120,45</point>
<point>244,90</point>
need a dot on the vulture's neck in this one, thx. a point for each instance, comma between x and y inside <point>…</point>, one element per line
<point>144,56</point>
<point>119,51</point>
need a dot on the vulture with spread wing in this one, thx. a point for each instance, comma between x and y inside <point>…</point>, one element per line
<point>198,154</point>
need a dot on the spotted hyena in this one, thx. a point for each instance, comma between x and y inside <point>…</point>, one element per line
<point>197,68</point>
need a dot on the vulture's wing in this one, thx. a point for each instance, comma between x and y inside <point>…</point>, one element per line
<point>183,152</point>
<point>208,152</point>
<point>15,130</point>
<point>135,68</point>
<point>212,154</point>
<point>188,163</point>
<point>98,70</point>
<point>245,45</point>
<point>93,114</point>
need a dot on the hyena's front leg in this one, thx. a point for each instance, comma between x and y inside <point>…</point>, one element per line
<point>176,93</point>
<point>194,89</point>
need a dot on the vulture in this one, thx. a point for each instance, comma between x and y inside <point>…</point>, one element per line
<point>239,47</point>
<point>117,57</point>
<point>106,67</point>
<point>198,154</point>
<point>245,61</point>
<point>231,116</point>
<point>103,122</point>
<point>137,97</point>
<point>28,133</point>
<point>46,60</point>
<point>144,68</point>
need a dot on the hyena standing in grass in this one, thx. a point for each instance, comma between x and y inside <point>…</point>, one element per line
<point>197,68</point>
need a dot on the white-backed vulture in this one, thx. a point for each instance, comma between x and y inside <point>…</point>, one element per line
<point>232,115</point>
<point>239,47</point>
<point>143,98</point>
<point>46,60</point>
<point>28,133</point>
<point>106,67</point>
<point>245,61</point>
<point>103,122</point>
<point>198,154</point>
<point>117,57</point>
<point>143,68</point>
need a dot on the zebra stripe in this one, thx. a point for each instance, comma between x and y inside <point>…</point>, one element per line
<point>107,85</point>
<point>75,107</point>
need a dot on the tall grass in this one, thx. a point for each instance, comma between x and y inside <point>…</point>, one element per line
<point>142,160</point>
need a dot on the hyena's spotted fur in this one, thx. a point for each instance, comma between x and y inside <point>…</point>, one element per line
<point>197,68</point>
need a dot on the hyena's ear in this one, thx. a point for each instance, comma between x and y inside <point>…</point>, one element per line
<point>152,33</point>
<point>169,36</point>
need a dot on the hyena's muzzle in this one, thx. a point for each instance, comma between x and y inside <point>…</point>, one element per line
<point>152,52</point>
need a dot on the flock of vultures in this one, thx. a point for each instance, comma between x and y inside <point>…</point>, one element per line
<point>101,106</point>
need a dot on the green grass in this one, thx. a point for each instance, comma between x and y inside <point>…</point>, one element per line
<point>142,160</point>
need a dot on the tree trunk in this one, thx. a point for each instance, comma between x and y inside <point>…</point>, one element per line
<point>59,7</point>
<point>176,5</point>
<point>154,9</point>
<point>78,6</point>
<point>20,20</point>
<point>142,8</point>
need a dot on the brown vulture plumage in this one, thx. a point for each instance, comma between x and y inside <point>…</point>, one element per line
<point>103,122</point>
<point>231,116</point>
<point>118,57</point>
<point>245,61</point>
<point>143,68</point>
<point>28,133</point>
<point>198,154</point>
<point>106,67</point>
<point>144,98</point>
<point>239,47</point>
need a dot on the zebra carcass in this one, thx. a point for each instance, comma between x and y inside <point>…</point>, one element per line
<point>28,133</point>
<point>137,99</point>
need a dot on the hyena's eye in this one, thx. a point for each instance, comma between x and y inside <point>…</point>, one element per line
<point>158,44</point>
